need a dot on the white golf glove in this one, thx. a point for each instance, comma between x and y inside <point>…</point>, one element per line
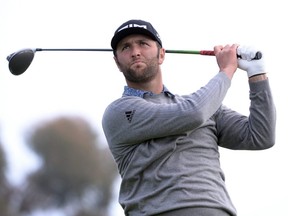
<point>247,63</point>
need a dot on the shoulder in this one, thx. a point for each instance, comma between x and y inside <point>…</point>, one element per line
<point>124,102</point>
<point>121,105</point>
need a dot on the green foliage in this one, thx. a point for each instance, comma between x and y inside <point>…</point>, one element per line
<point>6,189</point>
<point>76,173</point>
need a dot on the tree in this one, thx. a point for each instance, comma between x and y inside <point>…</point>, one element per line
<point>6,190</point>
<point>76,173</point>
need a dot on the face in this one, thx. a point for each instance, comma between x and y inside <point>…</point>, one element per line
<point>139,58</point>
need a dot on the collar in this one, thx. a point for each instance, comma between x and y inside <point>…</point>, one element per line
<point>128,91</point>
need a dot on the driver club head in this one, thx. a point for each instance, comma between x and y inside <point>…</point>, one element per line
<point>20,61</point>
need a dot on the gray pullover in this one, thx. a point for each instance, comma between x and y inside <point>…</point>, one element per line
<point>166,146</point>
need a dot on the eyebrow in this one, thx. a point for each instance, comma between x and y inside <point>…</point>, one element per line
<point>137,41</point>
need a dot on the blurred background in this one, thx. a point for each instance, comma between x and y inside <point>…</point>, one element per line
<point>74,174</point>
<point>54,159</point>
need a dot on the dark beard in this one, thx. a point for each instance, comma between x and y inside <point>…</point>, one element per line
<point>145,76</point>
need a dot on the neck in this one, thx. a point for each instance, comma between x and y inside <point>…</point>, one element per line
<point>155,86</point>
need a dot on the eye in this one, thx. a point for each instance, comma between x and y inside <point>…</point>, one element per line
<point>125,47</point>
<point>144,43</point>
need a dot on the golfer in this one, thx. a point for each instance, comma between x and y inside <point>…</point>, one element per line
<point>166,145</point>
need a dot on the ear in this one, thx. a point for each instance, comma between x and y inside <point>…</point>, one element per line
<point>161,55</point>
<point>116,61</point>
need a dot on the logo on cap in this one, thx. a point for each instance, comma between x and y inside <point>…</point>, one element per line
<point>132,25</point>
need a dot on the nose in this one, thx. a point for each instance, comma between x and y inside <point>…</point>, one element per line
<point>135,51</point>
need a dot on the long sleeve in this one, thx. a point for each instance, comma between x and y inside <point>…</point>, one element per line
<point>132,120</point>
<point>254,132</point>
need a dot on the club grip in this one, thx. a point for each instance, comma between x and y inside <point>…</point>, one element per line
<point>211,53</point>
<point>207,52</point>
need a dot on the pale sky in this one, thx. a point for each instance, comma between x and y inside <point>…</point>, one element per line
<point>84,83</point>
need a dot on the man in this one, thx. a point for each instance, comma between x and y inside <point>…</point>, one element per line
<point>166,145</point>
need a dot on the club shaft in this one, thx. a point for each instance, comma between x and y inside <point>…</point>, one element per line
<point>201,52</point>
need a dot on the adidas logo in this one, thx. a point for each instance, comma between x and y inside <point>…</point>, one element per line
<point>129,115</point>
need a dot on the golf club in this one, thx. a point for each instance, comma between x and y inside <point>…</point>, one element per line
<point>19,61</point>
